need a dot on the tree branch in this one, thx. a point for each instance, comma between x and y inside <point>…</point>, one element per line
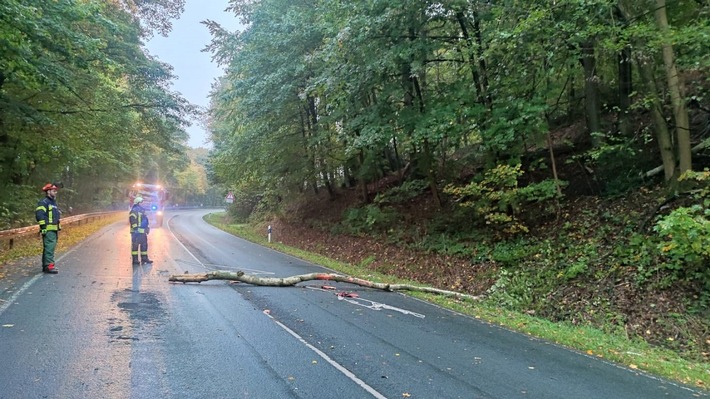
<point>80,111</point>
<point>293,280</point>
<point>693,150</point>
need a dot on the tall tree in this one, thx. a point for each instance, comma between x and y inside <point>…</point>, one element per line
<point>79,98</point>
<point>680,112</point>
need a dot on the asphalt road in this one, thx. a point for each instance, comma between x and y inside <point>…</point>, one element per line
<point>102,328</point>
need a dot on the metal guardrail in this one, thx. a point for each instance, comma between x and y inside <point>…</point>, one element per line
<point>11,235</point>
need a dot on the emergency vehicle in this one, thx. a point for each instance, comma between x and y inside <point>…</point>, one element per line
<point>154,198</point>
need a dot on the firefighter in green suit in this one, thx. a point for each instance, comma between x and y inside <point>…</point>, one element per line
<point>47,215</point>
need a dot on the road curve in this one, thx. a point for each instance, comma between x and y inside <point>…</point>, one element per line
<point>102,328</point>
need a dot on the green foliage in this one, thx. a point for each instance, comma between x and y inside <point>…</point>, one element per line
<point>81,102</point>
<point>511,126</point>
<point>516,289</point>
<point>369,219</point>
<point>242,207</point>
<point>408,190</point>
<point>249,205</point>
<point>323,96</point>
<point>685,234</point>
<point>496,198</point>
<point>681,248</point>
<point>454,245</point>
<point>18,211</point>
<point>619,164</point>
<point>513,253</point>
<point>638,252</point>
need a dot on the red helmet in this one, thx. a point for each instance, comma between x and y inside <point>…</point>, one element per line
<point>49,186</point>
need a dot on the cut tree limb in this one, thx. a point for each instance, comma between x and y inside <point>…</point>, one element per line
<point>693,150</point>
<point>293,280</point>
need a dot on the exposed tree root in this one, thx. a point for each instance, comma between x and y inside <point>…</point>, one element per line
<point>293,280</point>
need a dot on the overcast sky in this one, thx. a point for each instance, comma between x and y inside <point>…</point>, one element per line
<point>194,68</point>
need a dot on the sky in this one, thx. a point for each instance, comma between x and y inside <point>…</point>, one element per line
<point>194,68</point>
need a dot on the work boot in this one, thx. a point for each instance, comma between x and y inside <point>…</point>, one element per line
<point>147,261</point>
<point>50,269</point>
<point>136,262</point>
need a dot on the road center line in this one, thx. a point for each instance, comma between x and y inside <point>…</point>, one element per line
<point>183,245</point>
<point>332,362</point>
<point>207,266</point>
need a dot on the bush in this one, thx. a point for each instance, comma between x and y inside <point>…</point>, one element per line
<point>619,166</point>
<point>685,234</point>
<point>405,192</point>
<point>243,206</point>
<point>496,198</point>
<point>686,244</point>
<point>368,219</point>
<point>17,206</point>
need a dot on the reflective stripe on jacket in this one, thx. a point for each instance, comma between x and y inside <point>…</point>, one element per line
<point>138,219</point>
<point>47,214</point>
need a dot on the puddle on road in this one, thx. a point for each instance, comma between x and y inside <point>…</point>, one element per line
<point>140,315</point>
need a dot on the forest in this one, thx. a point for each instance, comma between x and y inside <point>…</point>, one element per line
<point>83,103</point>
<point>551,155</point>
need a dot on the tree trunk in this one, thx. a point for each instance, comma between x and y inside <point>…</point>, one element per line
<point>306,132</point>
<point>625,90</point>
<point>475,58</point>
<point>293,280</point>
<point>482,61</point>
<point>553,162</point>
<point>591,91</point>
<point>431,174</point>
<point>471,58</point>
<point>665,144</point>
<point>363,182</point>
<point>680,112</point>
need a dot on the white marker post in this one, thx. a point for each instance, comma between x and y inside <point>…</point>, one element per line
<point>269,231</point>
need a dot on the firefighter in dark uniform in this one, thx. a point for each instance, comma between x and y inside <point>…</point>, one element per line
<point>47,215</point>
<point>139,233</point>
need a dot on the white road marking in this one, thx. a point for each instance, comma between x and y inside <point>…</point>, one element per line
<point>206,266</point>
<point>34,279</point>
<point>182,245</point>
<point>378,306</point>
<point>366,303</point>
<point>332,362</point>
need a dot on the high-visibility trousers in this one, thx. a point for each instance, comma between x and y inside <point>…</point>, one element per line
<point>139,245</point>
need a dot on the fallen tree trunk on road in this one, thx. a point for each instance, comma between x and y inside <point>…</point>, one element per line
<point>293,280</point>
